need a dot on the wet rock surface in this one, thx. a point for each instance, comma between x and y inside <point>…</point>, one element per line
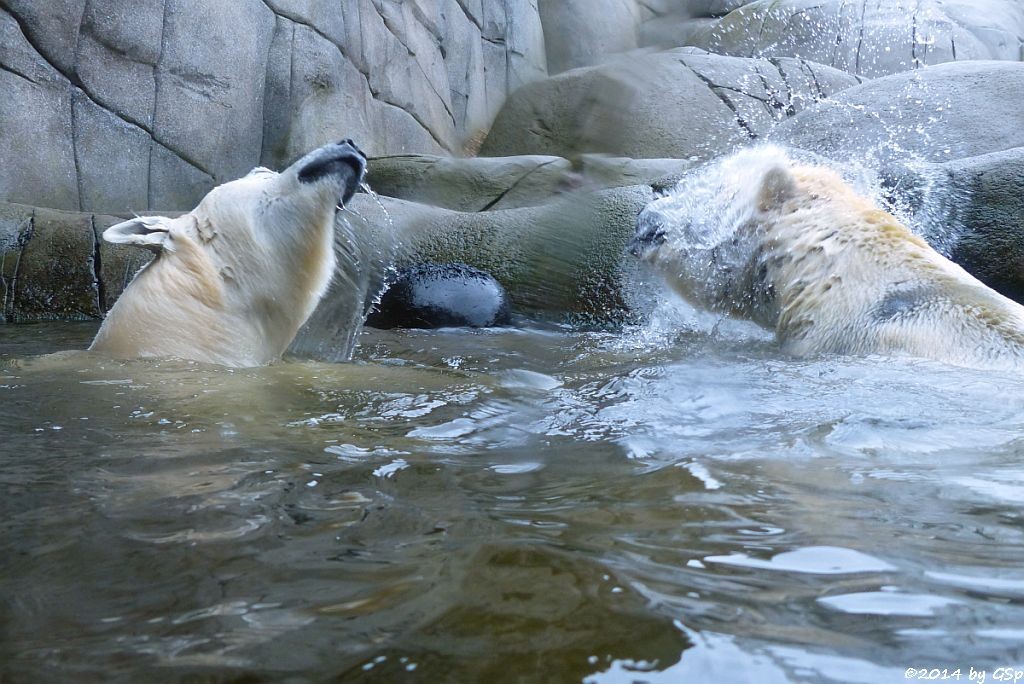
<point>980,202</point>
<point>54,265</point>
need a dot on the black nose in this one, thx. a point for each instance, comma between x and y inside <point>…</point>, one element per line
<point>348,142</point>
<point>646,237</point>
<point>342,160</point>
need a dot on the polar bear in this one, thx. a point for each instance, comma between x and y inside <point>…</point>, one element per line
<point>235,278</point>
<point>794,248</point>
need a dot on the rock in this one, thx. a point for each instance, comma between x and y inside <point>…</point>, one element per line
<point>115,106</point>
<point>680,103</point>
<point>56,277</point>
<point>870,38</point>
<point>36,147</point>
<point>469,184</point>
<point>672,31</point>
<point>15,231</point>
<point>973,211</point>
<point>54,264</point>
<point>581,33</point>
<point>441,295</point>
<point>208,107</point>
<point>562,260</point>
<point>991,246</point>
<point>491,183</point>
<point>602,171</point>
<point>941,113</point>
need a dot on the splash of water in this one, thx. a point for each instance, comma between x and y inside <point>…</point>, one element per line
<point>708,220</point>
<point>366,245</point>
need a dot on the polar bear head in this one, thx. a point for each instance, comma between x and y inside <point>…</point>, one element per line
<point>235,278</point>
<point>707,236</point>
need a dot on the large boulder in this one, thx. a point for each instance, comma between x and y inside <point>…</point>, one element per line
<point>680,103</point>
<point>579,33</point>
<point>941,113</point>
<point>564,259</point>
<point>870,38</point>
<point>113,106</point>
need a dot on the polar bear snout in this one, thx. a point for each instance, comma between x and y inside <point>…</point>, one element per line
<point>342,162</point>
<point>650,234</point>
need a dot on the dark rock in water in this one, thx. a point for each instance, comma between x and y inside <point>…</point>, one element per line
<point>441,295</point>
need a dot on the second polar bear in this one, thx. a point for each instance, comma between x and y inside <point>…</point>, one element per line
<point>793,247</point>
<point>235,278</point>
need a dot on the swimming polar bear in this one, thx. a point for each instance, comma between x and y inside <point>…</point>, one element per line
<point>235,278</point>
<point>794,248</point>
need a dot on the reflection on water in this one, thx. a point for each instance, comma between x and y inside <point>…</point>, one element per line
<point>677,503</point>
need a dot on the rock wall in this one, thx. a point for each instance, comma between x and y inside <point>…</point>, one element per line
<point>114,106</point>
<point>870,38</point>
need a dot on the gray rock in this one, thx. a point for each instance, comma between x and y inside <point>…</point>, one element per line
<point>56,277</point>
<point>941,113</point>
<point>680,103</point>
<point>469,184</point>
<point>113,158</point>
<point>672,31</point>
<point>208,104</point>
<point>565,258</point>
<point>870,38</point>
<point>987,213</point>
<point>581,33</point>
<point>15,231</point>
<point>491,183</point>
<point>113,105</point>
<point>37,140</point>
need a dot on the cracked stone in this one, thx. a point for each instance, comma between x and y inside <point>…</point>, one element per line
<point>469,184</point>
<point>679,103</point>
<point>945,112</point>
<point>397,76</point>
<point>869,38</point>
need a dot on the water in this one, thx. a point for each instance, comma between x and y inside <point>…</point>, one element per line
<point>679,502</point>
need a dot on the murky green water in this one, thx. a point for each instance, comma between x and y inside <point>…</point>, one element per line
<point>521,505</point>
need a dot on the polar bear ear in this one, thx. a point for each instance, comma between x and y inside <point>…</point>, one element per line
<point>150,232</point>
<point>777,186</point>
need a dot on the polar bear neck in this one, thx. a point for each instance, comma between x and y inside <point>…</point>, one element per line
<point>181,306</point>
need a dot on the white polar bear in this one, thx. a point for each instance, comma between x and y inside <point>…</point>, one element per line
<point>794,248</point>
<point>234,279</point>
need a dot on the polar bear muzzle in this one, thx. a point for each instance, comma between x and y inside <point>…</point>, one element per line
<point>343,160</point>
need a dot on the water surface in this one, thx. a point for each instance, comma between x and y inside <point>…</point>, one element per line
<point>676,503</point>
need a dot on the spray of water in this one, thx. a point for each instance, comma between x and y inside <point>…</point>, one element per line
<point>366,245</point>
<point>708,222</point>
